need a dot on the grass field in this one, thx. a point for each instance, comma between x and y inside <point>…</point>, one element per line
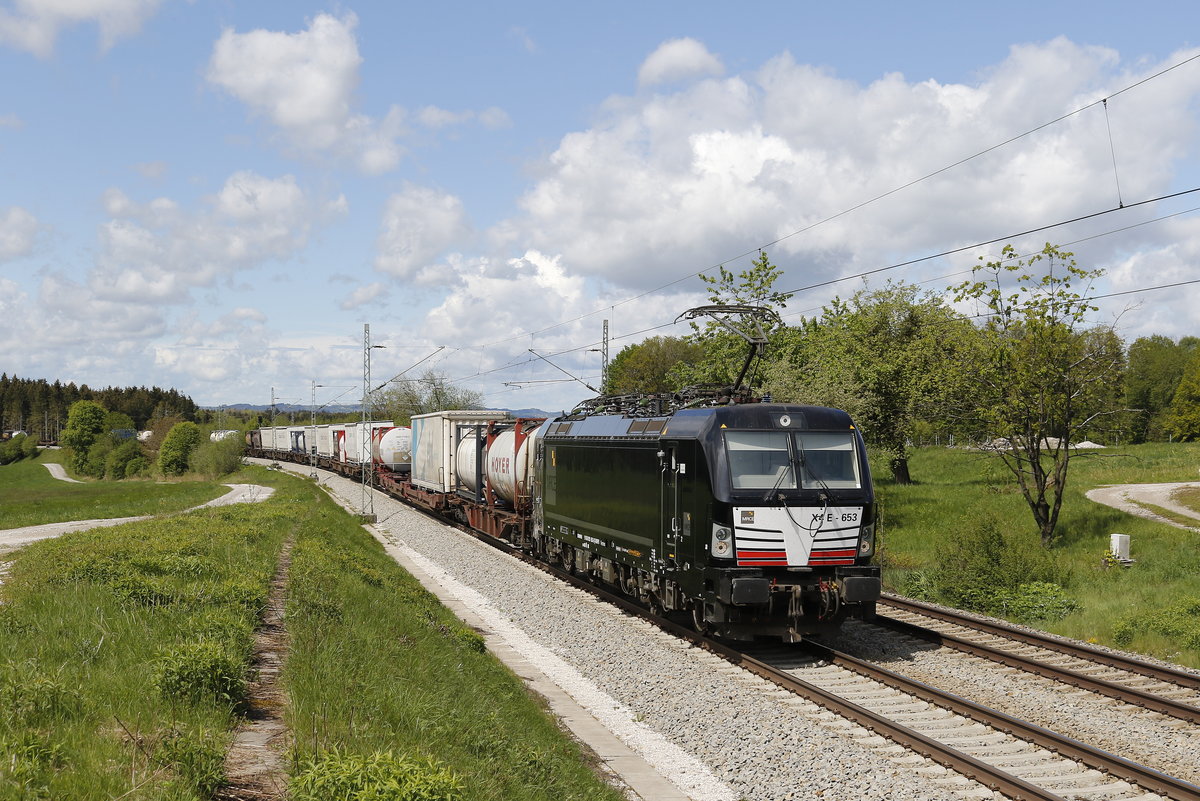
<point>30,496</point>
<point>1152,606</point>
<point>123,656</point>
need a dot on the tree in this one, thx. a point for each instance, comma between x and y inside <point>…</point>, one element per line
<point>882,356</point>
<point>1041,377</point>
<point>1156,365</point>
<point>647,366</point>
<point>1183,417</point>
<point>725,352</point>
<point>177,448</point>
<point>432,392</point>
<point>85,424</point>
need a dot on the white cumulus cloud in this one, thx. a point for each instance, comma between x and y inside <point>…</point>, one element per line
<point>156,252</point>
<point>18,232</point>
<point>363,295</point>
<point>419,224</point>
<point>34,25</point>
<point>673,182</point>
<point>677,60</point>
<point>303,84</point>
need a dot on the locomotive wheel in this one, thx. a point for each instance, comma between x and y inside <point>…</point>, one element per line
<point>701,625</point>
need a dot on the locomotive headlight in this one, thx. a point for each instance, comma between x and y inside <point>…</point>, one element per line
<point>722,542</point>
<point>866,542</point>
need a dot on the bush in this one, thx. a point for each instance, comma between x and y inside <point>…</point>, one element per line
<point>1179,622</point>
<point>35,699</point>
<point>118,459</point>
<point>10,450</point>
<point>137,466</point>
<point>382,776</point>
<point>1037,600</point>
<point>95,461</point>
<point>19,447</point>
<point>214,459</point>
<point>177,448</point>
<point>981,569</point>
<point>28,761</point>
<point>200,671</point>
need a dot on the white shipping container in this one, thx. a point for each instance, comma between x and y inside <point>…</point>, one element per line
<point>324,438</point>
<point>274,438</point>
<point>434,440</point>
<point>296,442</point>
<point>358,439</point>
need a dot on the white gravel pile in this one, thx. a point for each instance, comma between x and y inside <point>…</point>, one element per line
<point>669,697</point>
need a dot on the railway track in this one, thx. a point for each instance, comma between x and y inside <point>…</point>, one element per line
<point>1162,689</point>
<point>1017,759</point>
<point>1008,755</point>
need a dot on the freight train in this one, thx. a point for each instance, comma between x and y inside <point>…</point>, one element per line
<point>751,519</point>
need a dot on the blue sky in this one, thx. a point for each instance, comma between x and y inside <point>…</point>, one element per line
<point>217,196</point>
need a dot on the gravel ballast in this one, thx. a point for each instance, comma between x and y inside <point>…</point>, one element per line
<point>715,730</point>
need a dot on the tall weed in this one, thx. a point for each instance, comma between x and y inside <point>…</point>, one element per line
<point>380,776</point>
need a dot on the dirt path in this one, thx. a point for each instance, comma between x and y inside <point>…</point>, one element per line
<point>254,765</point>
<point>1126,497</point>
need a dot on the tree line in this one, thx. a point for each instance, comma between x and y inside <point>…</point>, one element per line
<point>40,407</point>
<point>1008,361</point>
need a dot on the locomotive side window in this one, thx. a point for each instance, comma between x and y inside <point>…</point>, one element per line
<point>760,460</point>
<point>827,460</point>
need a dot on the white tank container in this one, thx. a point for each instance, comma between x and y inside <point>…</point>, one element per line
<point>221,434</point>
<point>392,448</point>
<point>510,466</point>
<point>507,465</point>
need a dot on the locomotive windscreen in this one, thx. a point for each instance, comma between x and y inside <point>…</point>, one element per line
<point>768,459</point>
<point>827,459</point>
<point>760,460</point>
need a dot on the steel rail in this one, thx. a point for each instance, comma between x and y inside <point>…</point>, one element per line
<point>1160,672</point>
<point>1136,773</point>
<point>1120,692</point>
<point>990,776</point>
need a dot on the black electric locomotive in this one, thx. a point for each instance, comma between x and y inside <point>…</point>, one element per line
<point>756,519</point>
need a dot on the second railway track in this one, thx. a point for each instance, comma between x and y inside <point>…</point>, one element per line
<point>1011,756</point>
<point>1166,690</point>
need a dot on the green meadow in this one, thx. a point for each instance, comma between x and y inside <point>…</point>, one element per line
<point>964,519</point>
<point>30,496</point>
<point>124,655</point>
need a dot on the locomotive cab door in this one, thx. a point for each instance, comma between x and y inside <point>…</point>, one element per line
<point>672,517</point>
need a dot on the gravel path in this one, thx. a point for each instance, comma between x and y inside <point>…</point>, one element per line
<point>684,710</point>
<point>16,537</point>
<point>60,472</point>
<point>1126,496</point>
